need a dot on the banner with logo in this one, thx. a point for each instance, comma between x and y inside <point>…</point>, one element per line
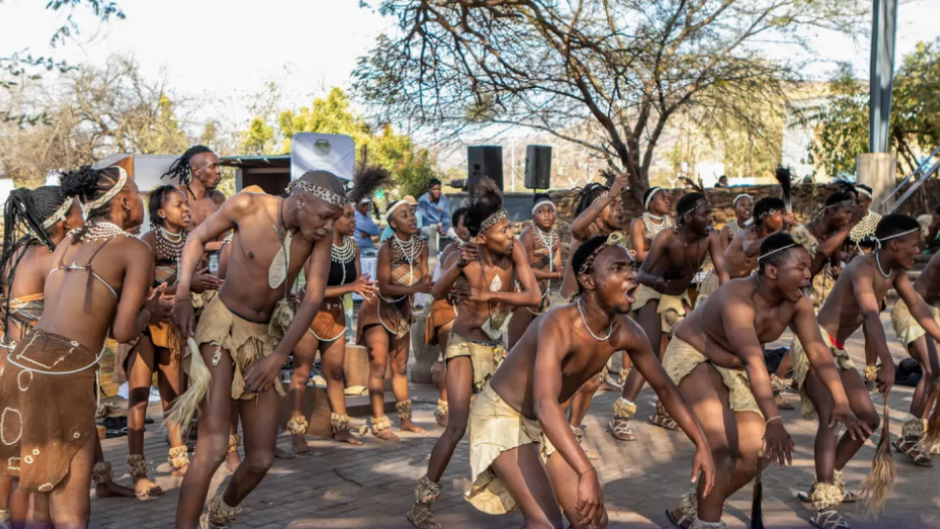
<point>312,151</point>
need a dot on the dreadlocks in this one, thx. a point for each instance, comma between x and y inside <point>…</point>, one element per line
<point>590,194</point>
<point>182,169</point>
<point>24,214</point>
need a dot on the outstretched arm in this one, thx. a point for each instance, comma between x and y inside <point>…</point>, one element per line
<point>638,347</point>
<point>917,306</point>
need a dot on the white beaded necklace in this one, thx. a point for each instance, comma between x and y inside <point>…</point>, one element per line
<point>610,329</point>
<point>880,269</point>
<point>342,255</point>
<point>169,245</point>
<point>652,229</point>
<point>101,231</point>
<point>407,251</point>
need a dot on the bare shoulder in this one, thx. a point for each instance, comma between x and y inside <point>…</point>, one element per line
<point>627,333</point>
<point>217,196</point>
<point>248,203</point>
<point>133,248</point>
<point>149,239</point>
<point>557,322</point>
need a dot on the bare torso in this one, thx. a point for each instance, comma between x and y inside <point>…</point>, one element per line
<point>678,263</point>
<point>739,264</point>
<point>204,206</point>
<point>841,314</point>
<point>473,315</point>
<point>585,358</point>
<point>253,249</point>
<point>928,283</point>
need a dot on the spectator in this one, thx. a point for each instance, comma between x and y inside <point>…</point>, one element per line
<point>365,227</point>
<point>434,209</point>
<point>722,181</point>
<point>387,232</point>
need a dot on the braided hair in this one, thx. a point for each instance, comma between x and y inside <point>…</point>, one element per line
<point>181,169</point>
<point>588,195</point>
<point>155,202</point>
<point>88,185</point>
<point>23,216</point>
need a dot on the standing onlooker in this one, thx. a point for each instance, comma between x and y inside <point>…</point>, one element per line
<point>435,211</point>
<point>364,226</point>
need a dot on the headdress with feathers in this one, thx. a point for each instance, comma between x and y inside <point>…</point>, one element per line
<point>486,206</point>
<point>367,178</point>
<point>782,174</point>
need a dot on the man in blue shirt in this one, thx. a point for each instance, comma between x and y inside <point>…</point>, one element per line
<point>434,208</point>
<point>365,227</point>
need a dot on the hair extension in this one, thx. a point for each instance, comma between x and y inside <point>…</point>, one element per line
<point>23,216</point>
<point>181,169</point>
<point>156,200</point>
<point>757,502</point>
<point>367,178</point>
<point>588,195</point>
<point>876,485</point>
<point>88,184</point>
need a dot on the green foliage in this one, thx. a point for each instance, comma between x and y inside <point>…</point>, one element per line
<point>914,126</point>
<point>411,166</point>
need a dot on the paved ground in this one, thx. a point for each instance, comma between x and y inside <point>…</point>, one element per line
<point>371,485</point>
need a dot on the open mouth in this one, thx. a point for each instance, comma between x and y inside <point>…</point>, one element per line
<point>631,293</point>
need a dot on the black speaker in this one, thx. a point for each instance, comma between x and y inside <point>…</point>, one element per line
<point>485,160</point>
<point>538,166</point>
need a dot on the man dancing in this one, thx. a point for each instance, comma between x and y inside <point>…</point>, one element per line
<point>923,349</point>
<point>717,358</point>
<point>522,453</point>
<point>541,245</point>
<point>855,301</point>
<point>486,269</point>
<point>662,300</point>
<point>770,216</point>
<point>247,331</point>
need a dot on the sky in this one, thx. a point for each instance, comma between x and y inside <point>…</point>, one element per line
<point>228,50</point>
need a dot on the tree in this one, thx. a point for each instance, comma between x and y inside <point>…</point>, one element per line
<point>914,124</point>
<point>15,67</point>
<point>411,166</point>
<point>94,112</point>
<point>627,65</point>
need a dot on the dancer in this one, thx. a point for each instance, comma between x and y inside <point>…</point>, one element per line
<point>770,216</point>
<point>54,455</point>
<point>159,347</point>
<point>486,269</point>
<point>385,321</point>
<point>522,454</point>
<point>541,244</point>
<point>862,235</point>
<point>444,308</point>
<point>655,218</point>
<point>825,235</point>
<point>855,301</point>
<point>198,174</point>
<point>599,212</point>
<point>743,206</point>
<point>923,349</point>
<point>717,359</point>
<point>327,333</point>
<point>662,300</point>
<point>247,331</point>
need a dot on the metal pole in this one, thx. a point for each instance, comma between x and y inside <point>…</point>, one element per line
<point>883,31</point>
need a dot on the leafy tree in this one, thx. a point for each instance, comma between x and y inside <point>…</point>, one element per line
<point>914,124</point>
<point>627,65</point>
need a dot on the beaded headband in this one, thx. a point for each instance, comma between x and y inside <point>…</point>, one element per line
<point>614,239</point>
<point>111,193</point>
<point>778,250</point>
<point>862,191</point>
<point>319,192</point>
<point>734,202</point>
<point>544,202</point>
<point>602,196</point>
<point>653,191</point>
<point>493,219</point>
<point>59,214</point>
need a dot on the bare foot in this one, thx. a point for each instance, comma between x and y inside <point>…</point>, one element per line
<point>300,446</point>
<point>113,490</point>
<point>408,426</point>
<point>179,472</point>
<point>283,454</point>
<point>346,436</point>
<point>144,489</point>
<point>386,435</point>
<point>231,461</point>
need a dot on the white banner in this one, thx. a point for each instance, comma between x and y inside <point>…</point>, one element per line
<point>311,151</point>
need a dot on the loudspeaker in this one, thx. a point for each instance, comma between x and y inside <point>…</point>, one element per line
<point>538,166</point>
<point>486,160</point>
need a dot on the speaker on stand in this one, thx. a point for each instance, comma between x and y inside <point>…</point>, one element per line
<point>484,160</point>
<point>538,166</point>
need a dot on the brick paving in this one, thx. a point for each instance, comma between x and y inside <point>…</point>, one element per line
<point>343,486</point>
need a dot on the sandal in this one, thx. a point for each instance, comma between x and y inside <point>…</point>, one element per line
<point>421,517</point>
<point>828,520</point>
<point>914,450</point>
<point>620,429</point>
<point>663,420</point>
<point>848,496</point>
<point>682,522</point>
